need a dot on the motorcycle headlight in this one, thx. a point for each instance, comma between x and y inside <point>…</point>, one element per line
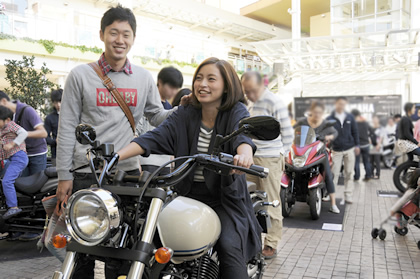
<point>299,161</point>
<point>91,214</point>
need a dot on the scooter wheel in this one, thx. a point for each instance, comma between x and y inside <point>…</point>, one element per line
<point>402,231</point>
<point>382,234</point>
<point>374,233</point>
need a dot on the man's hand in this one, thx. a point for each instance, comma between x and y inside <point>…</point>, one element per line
<point>9,146</point>
<point>357,150</point>
<point>64,189</point>
<point>186,100</point>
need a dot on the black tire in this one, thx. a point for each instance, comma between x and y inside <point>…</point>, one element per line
<point>382,234</point>
<point>403,173</point>
<point>374,233</point>
<point>418,244</point>
<point>388,161</point>
<point>286,209</point>
<point>315,200</point>
<point>402,231</point>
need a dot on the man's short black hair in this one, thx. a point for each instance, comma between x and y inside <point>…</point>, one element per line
<point>5,113</point>
<point>118,13</point>
<point>355,112</point>
<point>3,95</point>
<point>56,95</point>
<point>251,74</point>
<point>172,76</point>
<point>408,107</point>
<point>340,98</point>
<point>396,116</point>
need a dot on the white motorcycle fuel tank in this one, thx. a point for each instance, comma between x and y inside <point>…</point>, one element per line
<point>189,227</point>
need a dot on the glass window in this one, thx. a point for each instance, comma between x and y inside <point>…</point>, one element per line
<point>342,12</point>
<point>387,5</point>
<point>338,2</point>
<point>363,25</point>
<point>388,21</point>
<point>341,28</point>
<point>406,5</point>
<point>364,7</point>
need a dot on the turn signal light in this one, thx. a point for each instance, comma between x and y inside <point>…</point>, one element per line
<point>59,241</point>
<point>163,255</point>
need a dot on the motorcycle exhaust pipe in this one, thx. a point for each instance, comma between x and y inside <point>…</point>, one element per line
<point>66,267</point>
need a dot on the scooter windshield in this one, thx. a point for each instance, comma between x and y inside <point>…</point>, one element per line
<point>304,135</point>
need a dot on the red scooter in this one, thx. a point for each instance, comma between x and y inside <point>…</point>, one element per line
<point>303,178</point>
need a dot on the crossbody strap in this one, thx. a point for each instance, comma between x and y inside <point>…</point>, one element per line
<point>117,96</point>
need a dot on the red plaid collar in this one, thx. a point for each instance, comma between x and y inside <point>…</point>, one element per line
<point>106,68</point>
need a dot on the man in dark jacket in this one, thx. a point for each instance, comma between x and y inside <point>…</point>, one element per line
<point>366,135</point>
<point>345,147</point>
<point>51,122</point>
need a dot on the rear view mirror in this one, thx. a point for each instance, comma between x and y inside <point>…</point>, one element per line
<point>261,127</point>
<point>85,134</point>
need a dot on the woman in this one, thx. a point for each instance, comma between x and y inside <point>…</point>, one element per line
<point>376,150</point>
<point>218,104</point>
<point>406,141</point>
<point>315,120</point>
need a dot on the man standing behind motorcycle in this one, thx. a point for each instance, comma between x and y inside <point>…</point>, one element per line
<point>86,100</point>
<point>269,154</point>
<point>217,107</point>
<point>345,147</point>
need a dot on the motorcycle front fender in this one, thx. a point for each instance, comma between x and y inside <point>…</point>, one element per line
<point>285,180</point>
<point>315,181</point>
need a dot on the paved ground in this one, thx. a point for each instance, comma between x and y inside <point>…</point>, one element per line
<point>314,253</point>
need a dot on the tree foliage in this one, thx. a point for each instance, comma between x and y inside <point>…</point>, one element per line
<point>27,84</point>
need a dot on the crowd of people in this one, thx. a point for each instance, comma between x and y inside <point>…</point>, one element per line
<point>172,121</point>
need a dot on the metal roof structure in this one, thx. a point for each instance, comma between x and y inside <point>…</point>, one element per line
<point>351,57</point>
<point>194,14</point>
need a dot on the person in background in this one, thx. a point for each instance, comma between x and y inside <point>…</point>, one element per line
<point>397,118</point>
<point>345,147</point>
<point>405,132</point>
<point>315,120</point>
<point>417,127</point>
<point>181,93</point>
<point>391,126</point>
<point>170,80</point>
<point>266,80</point>
<point>269,154</point>
<point>376,150</point>
<point>365,135</point>
<point>51,122</point>
<point>14,150</point>
<point>36,146</point>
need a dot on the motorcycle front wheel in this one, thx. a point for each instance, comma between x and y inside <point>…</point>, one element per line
<point>402,175</point>
<point>315,200</point>
<point>286,208</point>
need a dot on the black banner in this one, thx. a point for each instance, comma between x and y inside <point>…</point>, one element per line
<point>382,106</point>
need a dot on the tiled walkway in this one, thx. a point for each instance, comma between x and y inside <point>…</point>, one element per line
<point>314,253</point>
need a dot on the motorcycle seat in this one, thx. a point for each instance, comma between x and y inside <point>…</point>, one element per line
<point>31,184</point>
<point>51,172</point>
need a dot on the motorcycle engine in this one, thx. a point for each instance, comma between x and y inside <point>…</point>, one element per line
<point>206,268</point>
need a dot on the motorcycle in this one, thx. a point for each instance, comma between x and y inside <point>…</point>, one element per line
<point>116,222</point>
<point>303,178</point>
<point>388,156</point>
<point>403,172</point>
<point>30,191</point>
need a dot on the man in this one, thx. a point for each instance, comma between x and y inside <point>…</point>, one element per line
<point>366,136</point>
<point>170,80</point>
<point>28,119</point>
<point>86,100</point>
<point>345,147</point>
<point>269,154</point>
<point>51,122</point>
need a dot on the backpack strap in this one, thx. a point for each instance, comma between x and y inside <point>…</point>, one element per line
<point>116,94</point>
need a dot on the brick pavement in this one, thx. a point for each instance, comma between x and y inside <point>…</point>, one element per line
<point>313,253</point>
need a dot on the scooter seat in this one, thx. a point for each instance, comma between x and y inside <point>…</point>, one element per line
<point>31,184</point>
<point>51,172</point>
<point>252,187</point>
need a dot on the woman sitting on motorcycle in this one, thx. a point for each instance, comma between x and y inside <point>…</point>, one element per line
<point>217,107</point>
<point>406,141</point>
<point>315,120</point>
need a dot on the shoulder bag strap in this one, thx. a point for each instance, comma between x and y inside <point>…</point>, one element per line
<point>117,96</point>
<point>19,119</point>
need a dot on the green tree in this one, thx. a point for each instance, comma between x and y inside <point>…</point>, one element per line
<point>27,84</point>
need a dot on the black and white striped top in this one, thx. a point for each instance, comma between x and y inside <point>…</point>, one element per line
<point>203,146</point>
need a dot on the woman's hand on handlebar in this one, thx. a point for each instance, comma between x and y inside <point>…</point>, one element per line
<point>131,150</point>
<point>243,158</point>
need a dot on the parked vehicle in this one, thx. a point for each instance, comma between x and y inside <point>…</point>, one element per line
<point>30,191</point>
<point>388,156</point>
<point>403,173</point>
<point>303,178</point>
<point>118,223</point>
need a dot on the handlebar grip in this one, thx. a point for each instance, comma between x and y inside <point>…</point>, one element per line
<point>259,169</point>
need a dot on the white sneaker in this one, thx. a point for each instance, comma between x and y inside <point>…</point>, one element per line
<point>327,198</point>
<point>334,209</point>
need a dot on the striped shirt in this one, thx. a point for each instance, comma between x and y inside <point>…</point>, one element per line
<point>272,105</point>
<point>203,146</point>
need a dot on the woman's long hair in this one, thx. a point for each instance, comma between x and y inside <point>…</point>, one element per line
<point>233,87</point>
